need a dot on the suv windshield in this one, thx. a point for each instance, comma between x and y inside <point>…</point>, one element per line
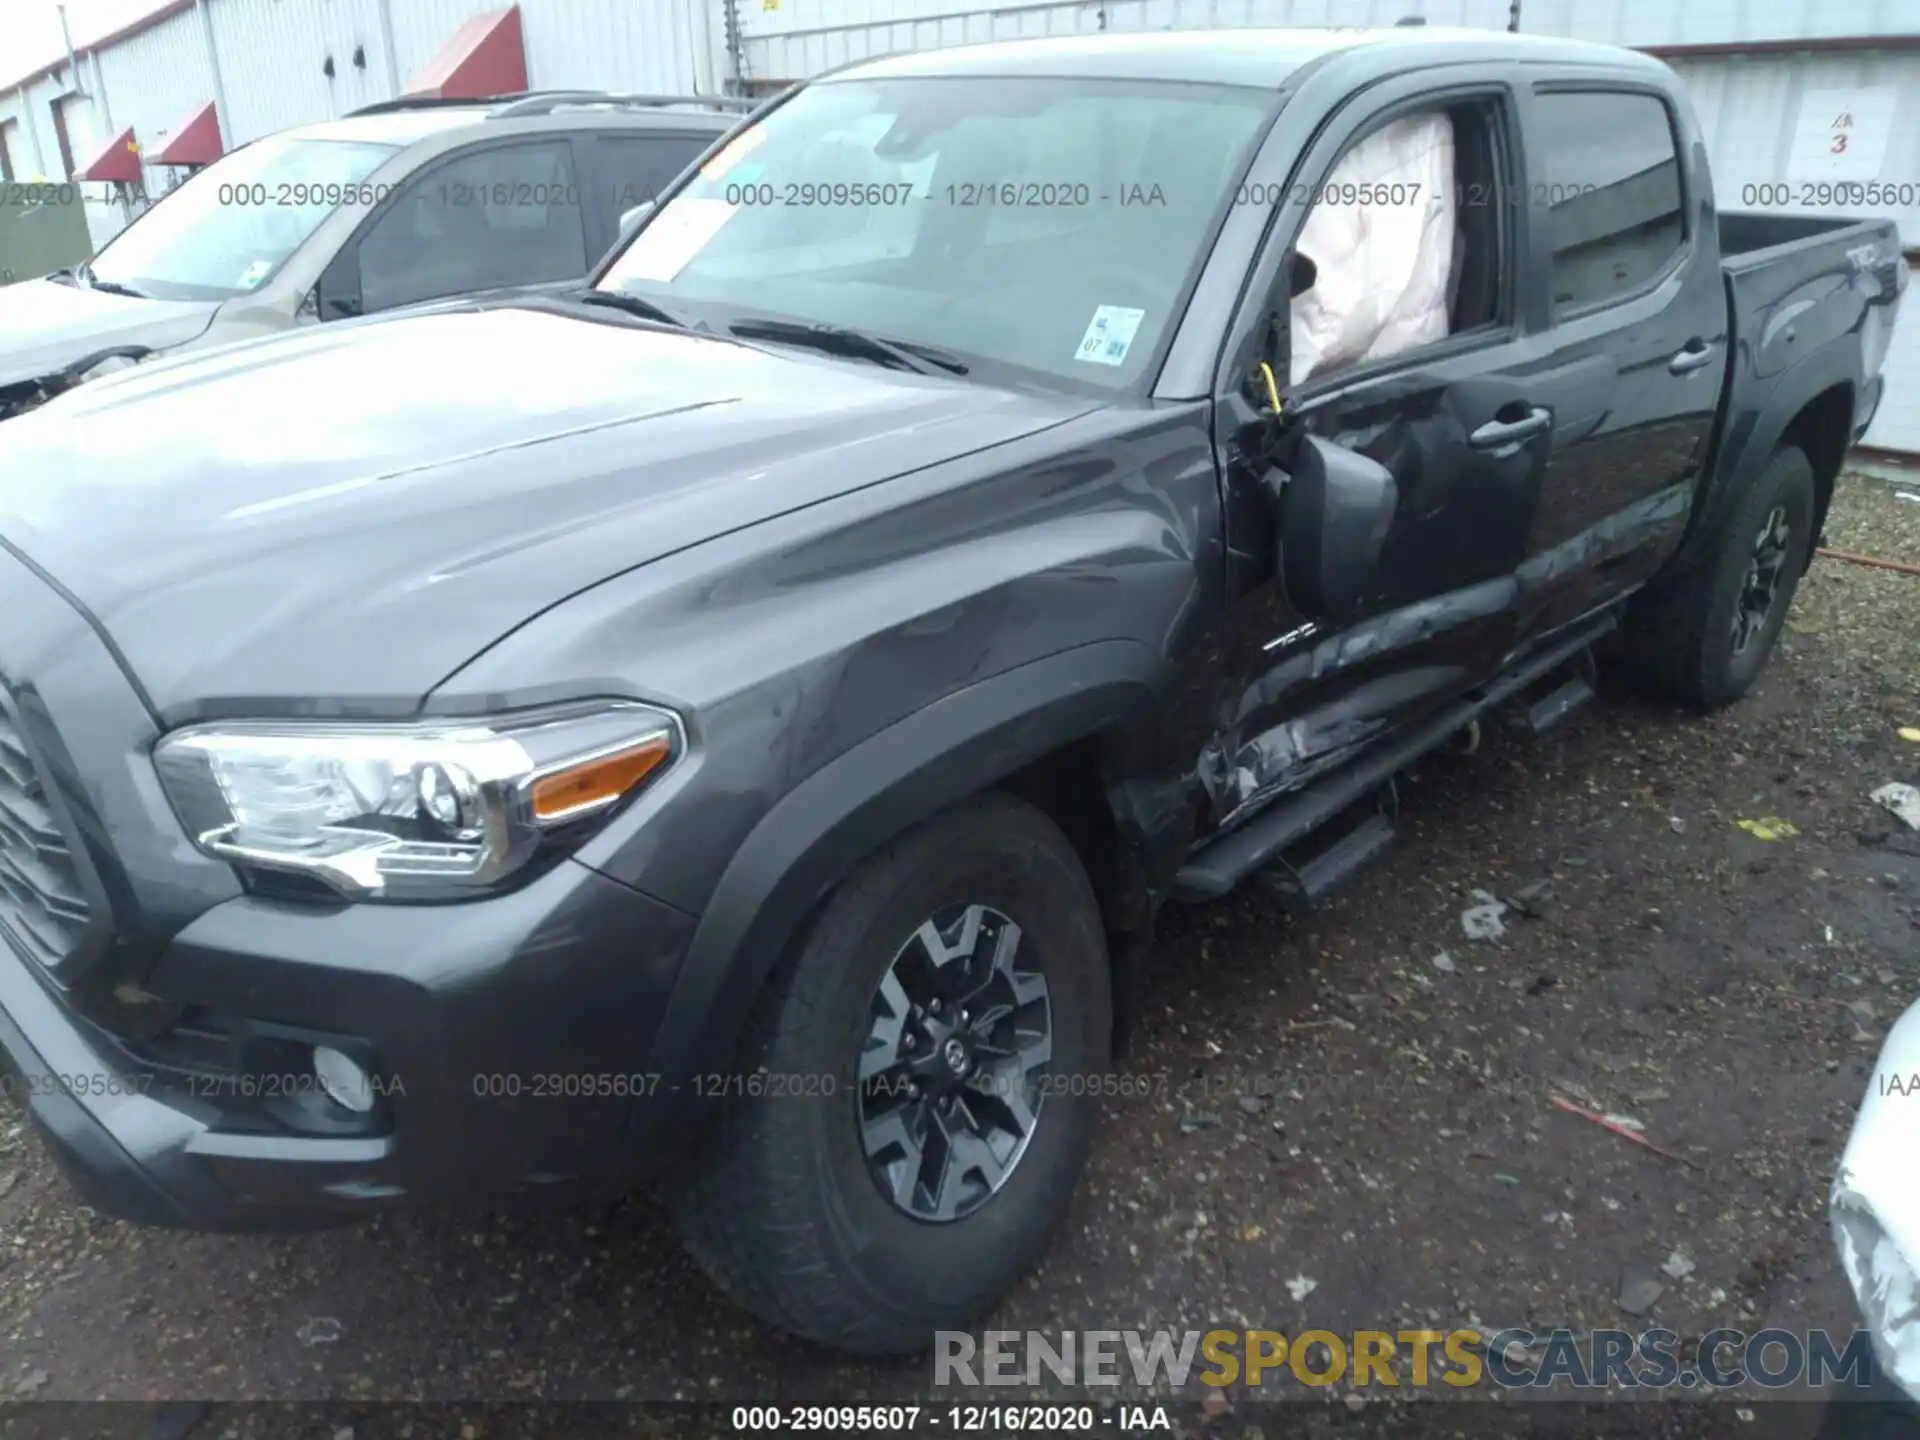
<point>1046,224</point>
<point>226,230</point>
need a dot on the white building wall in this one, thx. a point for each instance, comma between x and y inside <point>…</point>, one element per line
<point>1717,22</point>
<point>654,47</point>
<point>273,57</point>
<point>799,38</point>
<point>155,80</point>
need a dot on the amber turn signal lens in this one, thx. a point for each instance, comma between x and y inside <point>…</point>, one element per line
<point>595,783</point>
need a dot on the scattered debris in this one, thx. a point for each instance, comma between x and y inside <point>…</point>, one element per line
<point>1677,825</point>
<point>1216,1404</point>
<point>1638,1291</point>
<point>1906,495</point>
<point>1251,1104</point>
<point>1443,962</point>
<point>1769,827</point>
<point>1481,920</point>
<point>1620,1125</point>
<point>320,1330</point>
<point>1873,561</point>
<point>1506,1179</point>
<point>1861,1010</point>
<point>1540,984</point>
<point>1911,733</point>
<point>1533,900</point>
<point>1679,1265</point>
<point>31,1383</point>
<point>1194,1121</point>
<point>1299,1287</point>
<point>1900,800</point>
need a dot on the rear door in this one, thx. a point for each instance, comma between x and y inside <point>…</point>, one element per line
<point>1639,330</point>
<point>1457,418</point>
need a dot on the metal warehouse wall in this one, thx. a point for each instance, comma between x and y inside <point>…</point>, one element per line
<point>798,38</point>
<point>1717,22</point>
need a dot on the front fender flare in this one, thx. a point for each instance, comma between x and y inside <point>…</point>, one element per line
<point>850,807</point>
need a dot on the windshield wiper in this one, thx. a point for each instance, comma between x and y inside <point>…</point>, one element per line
<point>857,344</point>
<point>633,305</point>
<point>111,287</point>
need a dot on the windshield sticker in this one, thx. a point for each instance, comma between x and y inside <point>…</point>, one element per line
<point>735,150</point>
<point>254,274</point>
<point>663,249</point>
<point>1110,335</point>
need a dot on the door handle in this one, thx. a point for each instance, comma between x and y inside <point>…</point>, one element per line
<point>1499,434</point>
<point>1685,362</point>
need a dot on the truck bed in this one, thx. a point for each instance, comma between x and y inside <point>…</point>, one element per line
<point>1752,236</point>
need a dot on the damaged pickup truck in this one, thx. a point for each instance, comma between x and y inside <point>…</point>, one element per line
<point>736,724</point>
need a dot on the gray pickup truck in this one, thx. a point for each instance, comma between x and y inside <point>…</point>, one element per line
<point>735,724</point>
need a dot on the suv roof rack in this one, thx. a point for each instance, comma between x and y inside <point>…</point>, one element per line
<point>543,102</point>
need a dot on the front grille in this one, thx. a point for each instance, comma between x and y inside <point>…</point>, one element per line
<point>43,905</point>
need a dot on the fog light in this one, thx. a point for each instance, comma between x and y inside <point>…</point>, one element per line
<point>345,1082</point>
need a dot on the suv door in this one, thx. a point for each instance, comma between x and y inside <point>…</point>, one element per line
<point>1458,422</point>
<point>1639,318</point>
<point>488,217</point>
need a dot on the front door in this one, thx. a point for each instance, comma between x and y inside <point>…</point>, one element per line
<point>1452,414</point>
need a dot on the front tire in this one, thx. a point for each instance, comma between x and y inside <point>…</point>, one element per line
<point>1703,636</point>
<point>902,1166</point>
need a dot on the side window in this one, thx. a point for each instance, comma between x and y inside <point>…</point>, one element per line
<point>1609,183</point>
<point>504,216</point>
<point>1405,238</point>
<point>636,168</point>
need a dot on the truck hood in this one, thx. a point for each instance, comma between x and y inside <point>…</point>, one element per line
<point>46,325</point>
<point>348,514</point>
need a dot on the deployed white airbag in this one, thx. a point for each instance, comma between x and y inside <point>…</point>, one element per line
<point>1381,235</point>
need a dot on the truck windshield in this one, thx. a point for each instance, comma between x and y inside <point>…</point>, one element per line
<point>226,230</point>
<point>1044,224</point>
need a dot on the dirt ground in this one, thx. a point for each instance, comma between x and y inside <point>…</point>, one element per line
<point>1340,1103</point>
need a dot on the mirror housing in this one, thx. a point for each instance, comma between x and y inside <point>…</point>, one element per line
<point>1334,513</point>
<point>631,220</point>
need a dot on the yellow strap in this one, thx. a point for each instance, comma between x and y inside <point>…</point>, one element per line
<point>1273,390</point>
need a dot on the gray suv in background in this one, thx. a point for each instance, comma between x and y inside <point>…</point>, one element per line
<point>404,201</point>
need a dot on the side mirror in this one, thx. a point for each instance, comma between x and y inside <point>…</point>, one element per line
<point>1335,511</point>
<point>1305,275</point>
<point>630,219</point>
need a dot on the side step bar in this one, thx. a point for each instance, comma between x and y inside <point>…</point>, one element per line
<point>1306,885</point>
<point>1215,868</point>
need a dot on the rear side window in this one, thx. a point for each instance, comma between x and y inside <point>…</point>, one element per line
<point>1608,184</point>
<point>505,216</point>
<point>639,167</point>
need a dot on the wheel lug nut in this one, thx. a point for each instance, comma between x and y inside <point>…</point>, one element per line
<point>906,1042</point>
<point>934,1006</point>
<point>913,1091</point>
<point>965,1016</point>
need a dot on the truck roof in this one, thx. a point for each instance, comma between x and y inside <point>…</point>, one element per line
<point>1255,57</point>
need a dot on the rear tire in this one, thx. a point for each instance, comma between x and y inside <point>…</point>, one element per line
<point>1703,636</point>
<point>805,1207</point>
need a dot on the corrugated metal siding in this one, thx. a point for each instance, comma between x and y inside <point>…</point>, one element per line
<point>272,56</point>
<point>658,47</point>
<point>1750,112</point>
<point>1717,22</point>
<point>804,37</point>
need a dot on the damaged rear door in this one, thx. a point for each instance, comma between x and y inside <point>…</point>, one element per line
<point>1456,422</point>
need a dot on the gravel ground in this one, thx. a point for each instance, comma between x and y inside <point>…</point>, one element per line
<point>1330,1099</point>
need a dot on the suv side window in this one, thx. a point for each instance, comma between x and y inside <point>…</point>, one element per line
<point>508,215</point>
<point>1609,186</point>
<point>636,168</point>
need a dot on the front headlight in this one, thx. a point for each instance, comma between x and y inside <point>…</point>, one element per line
<point>429,810</point>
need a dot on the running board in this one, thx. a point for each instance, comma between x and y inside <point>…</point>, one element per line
<point>1307,885</point>
<point>1218,866</point>
<point>1551,709</point>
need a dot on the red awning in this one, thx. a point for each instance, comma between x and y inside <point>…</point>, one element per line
<point>119,161</point>
<point>486,56</point>
<point>195,142</point>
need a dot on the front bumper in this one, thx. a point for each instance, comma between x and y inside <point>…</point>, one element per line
<point>157,1021</point>
<point>507,1039</point>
